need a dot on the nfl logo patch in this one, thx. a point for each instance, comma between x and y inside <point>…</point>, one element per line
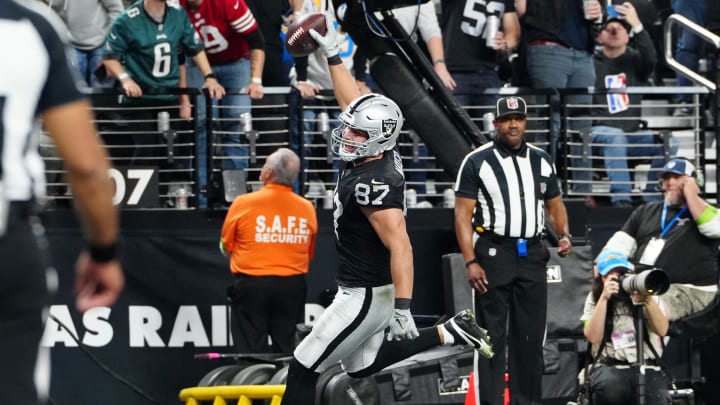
<point>543,188</point>
<point>512,103</point>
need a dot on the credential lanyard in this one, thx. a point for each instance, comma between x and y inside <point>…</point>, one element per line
<point>666,228</point>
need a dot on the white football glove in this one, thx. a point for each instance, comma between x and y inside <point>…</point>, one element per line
<point>402,326</point>
<point>328,43</point>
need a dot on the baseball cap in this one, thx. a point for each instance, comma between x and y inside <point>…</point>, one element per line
<point>511,106</point>
<point>612,259</point>
<point>679,166</point>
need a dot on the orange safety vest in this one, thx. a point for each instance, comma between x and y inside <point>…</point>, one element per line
<point>270,232</point>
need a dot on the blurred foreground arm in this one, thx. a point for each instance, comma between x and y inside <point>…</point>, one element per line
<point>99,278</point>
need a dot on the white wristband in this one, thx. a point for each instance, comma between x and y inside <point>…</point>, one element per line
<point>256,80</point>
<point>122,76</point>
<point>637,30</point>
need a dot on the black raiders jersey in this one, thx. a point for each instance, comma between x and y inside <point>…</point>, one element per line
<point>363,259</point>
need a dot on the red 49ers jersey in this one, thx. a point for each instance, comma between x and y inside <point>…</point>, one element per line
<point>222,24</point>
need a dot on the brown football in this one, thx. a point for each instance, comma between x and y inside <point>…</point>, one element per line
<point>298,40</point>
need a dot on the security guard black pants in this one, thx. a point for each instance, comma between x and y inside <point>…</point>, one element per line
<point>270,305</point>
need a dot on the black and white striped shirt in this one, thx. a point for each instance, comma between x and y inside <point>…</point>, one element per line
<point>510,187</point>
<point>34,76</point>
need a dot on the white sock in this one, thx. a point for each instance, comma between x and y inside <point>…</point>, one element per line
<point>448,338</point>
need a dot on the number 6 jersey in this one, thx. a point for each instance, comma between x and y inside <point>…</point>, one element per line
<point>148,49</point>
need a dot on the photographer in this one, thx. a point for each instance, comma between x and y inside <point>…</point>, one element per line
<point>611,328</point>
<point>680,235</point>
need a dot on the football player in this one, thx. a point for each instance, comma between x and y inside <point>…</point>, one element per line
<point>369,325</point>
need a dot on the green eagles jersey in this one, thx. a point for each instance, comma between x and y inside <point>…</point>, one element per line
<point>149,50</point>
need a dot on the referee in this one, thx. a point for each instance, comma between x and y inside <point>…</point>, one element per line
<point>501,191</point>
<point>35,81</point>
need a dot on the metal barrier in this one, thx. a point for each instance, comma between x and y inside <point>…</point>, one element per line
<point>423,174</point>
<point>659,136</point>
<point>244,394</point>
<point>156,153</point>
<point>700,31</point>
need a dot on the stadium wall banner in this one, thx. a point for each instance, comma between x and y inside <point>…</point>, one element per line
<point>174,306</point>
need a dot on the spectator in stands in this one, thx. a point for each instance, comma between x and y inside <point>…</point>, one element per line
<point>472,63</point>
<point>270,16</point>
<point>416,162</point>
<point>270,117</point>
<point>687,48</point>
<point>310,76</point>
<point>680,235</point>
<point>235,48</point>
<point>88,23</point>
<point>142,53</point>
<point>617,128</point>
<point>609,317</point>
<point>423,20</point>
<point>140,58</point>
<point>414,20</point>
<point>270,237</point>
<point>560,42</point>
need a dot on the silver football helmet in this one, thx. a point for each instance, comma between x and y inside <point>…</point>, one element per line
<point>377,115</point>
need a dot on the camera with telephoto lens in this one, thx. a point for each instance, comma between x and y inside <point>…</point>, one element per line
<point>648,282</point>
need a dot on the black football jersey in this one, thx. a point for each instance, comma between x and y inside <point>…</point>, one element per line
<point>464,32</point>
<point>363,259</point>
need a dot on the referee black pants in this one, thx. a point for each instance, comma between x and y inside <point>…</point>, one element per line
<point>23,296</point>
<point>513,311</point>
<point>268,305</point>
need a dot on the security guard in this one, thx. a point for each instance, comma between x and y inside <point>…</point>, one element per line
<point>501,193</point>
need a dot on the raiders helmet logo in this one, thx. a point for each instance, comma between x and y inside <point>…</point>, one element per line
<point>512,103</point>
<point>388,126</point>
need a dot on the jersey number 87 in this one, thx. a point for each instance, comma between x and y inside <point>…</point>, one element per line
<point>362,193</point>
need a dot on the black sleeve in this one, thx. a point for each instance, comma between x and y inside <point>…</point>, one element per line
<point>647,57</point>
<point>301,68</point>
<point>468,182</point>
<point>552,183</point>
<point>359,64</point>
<point>255,39</point>
<point>632,225</point>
